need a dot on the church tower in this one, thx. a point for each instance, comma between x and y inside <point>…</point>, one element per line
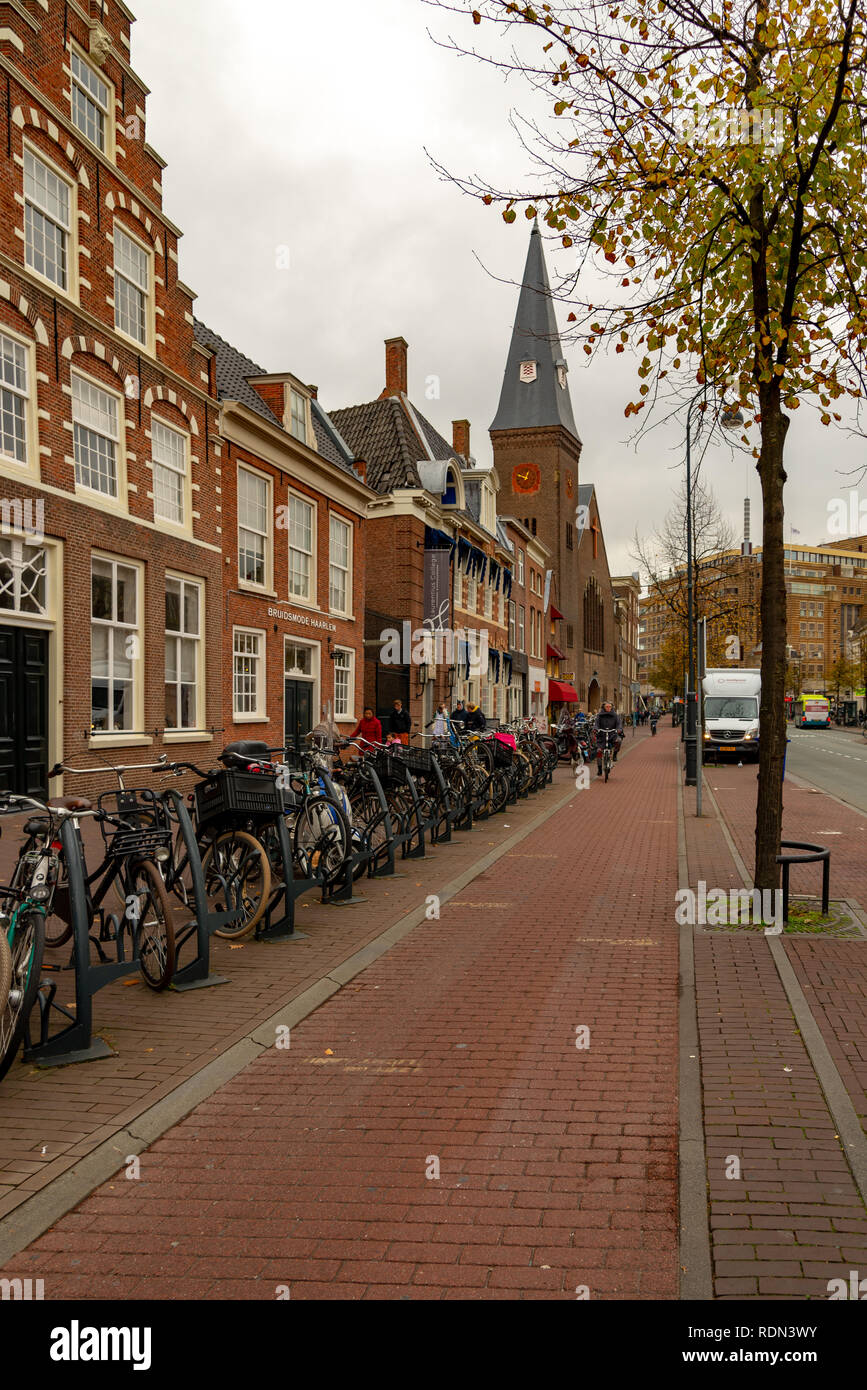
<point>536,444</point>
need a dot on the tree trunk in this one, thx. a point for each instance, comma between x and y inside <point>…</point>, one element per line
<point>772,719</point>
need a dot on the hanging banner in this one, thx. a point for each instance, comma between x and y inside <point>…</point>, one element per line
<point>548,576</point>
<point>437,590</point>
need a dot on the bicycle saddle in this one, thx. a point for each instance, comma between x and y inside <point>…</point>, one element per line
<point>247,750</point>
<point>37,825</point>
<point>71,803</point>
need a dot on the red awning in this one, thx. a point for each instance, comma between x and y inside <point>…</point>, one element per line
<point>555,654</point>
<point>563,692</point>
<point>555,612</point>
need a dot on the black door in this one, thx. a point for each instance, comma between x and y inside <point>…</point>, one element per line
<point>24,711</point>
<point>392,683</point>
<point>298,715</point>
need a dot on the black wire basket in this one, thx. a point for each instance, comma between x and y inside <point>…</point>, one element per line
<point>145,826</point>
<point>416,759</point>
<point>503,752</point>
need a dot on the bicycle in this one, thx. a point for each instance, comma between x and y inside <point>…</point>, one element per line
<point>22,933</point>
<point>136,839</point>
<point>607,737</point>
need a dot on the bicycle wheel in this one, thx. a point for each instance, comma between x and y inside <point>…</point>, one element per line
<point>606,763</point>
<point>240,861</point>
<point>26,942</point>
<point>153,924</point>
<point>5,971</point>
<point>322,836</point>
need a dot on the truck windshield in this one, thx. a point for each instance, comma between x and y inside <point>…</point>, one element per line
<point>731,707</point>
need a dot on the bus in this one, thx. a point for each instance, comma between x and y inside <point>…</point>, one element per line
<point>812,712</point>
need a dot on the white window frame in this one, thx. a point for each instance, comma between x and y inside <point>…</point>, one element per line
<point>346,571</point>
<point>70,289</point>
<point>180,732</point>
<point>133,630</point>
<point>147,342</point>
<point>29,396</point>
<point>310,598</point>
<point>472,593</point>
<point>249,584</point>
<point>260,675</point>
<point>521,627</point>
<point>521,568</point>
<point>348,716</point>
<point>185,523</point>
<point>118,502</point>
<point>108,147</point>
<point>291,418</point>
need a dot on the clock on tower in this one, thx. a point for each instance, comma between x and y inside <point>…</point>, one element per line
<point>526,477</point>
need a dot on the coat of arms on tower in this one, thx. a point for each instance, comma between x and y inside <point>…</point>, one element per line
<point>562,369</point>
<point>528,371</point>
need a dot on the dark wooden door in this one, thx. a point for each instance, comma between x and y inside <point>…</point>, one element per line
<point>298,713</point>
<point>24,711</point>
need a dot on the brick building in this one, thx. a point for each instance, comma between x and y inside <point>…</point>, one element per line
<point>537,453</point>
<point>627,599</point>
<point>528,689</point>
<point>292,505</point>
<point>110,553</point>
<point>439,558</point>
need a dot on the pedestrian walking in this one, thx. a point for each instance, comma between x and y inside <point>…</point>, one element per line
<point>401,722</point>
<point>368,727</point>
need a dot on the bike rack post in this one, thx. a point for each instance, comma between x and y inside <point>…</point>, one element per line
<point>444,838</point>
<point>375,869</point>
<point>293,889</point>
<point>75,1043</point>
<point>340,893</point>
<point>815,854</point>
<point>197,975</point>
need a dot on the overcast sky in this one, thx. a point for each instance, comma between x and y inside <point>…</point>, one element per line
<point>297,132</point>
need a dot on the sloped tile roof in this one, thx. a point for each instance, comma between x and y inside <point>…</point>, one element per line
<point>233,369</point>
<point>383,434</point>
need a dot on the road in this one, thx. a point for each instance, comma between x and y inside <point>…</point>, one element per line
<point>833,759</point>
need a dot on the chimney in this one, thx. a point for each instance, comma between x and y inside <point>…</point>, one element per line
<point>395,367</point>
<point>461,437</point>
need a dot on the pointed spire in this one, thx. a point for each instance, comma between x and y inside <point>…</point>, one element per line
<point>533,396</point>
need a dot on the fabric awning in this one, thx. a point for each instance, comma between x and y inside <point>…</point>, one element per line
<point>562,691</point>
<point>555,612</point>
<point>555,654</point>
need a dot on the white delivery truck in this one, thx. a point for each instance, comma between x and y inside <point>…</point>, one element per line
<point>731,712</point>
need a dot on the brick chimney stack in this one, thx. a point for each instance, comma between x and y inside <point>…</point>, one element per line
<point>461,437</point>
<point>395,367</point>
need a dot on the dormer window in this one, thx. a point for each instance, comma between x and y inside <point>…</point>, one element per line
<point>450,497</point>
<point>298,415</point>
<point>562,370</point>
<point>528,371</point>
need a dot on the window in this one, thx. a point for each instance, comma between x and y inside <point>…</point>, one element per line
<point>96,434</point>
<point>521,568</point>
<point>570,636</point>
<point>91,100</point>
<point>247,682</point>
<point>22,577</point>
<point>253,513</point>
<point>47,221</point>
<point>131,286</point>
<point>343,684</point>
<point>169,453</point>
<point>489,601</point>
<point>521,617</point>
<point>115,645</point>
<point>13,400</point>
<point>298,660</point>
<point>183,636</point>
<point>298,415</point>
<point>471,592</point>
<point>301,549</point>
<point>338,570</point>
<point>513,608</point>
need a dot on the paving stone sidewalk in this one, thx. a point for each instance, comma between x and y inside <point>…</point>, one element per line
<point>794,1218</point>
<point>433,1131</point>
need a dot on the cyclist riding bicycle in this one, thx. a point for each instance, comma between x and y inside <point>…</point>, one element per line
<point>607,720</point>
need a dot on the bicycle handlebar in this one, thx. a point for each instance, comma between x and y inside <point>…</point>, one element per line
<point>60,768</point>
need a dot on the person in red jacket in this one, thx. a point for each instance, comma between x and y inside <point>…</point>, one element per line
<point>369,727</point>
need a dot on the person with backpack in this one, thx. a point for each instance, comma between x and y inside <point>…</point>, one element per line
<point>476,721</point>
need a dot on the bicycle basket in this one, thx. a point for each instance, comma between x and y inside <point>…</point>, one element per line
<point>236,793</point>
<point>416,759</point>
<point>502,752</point>
<point>389,768</point>
<point>147,827</point>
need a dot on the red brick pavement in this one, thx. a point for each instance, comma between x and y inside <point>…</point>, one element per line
<point>794,1218</point>
<point>557,1166</point>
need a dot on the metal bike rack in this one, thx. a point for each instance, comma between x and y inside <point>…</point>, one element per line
<point>75,1043</point>
<point>197,974</point>
<point>340,891</point>
<point>283,929</point>
<point>816,854</point>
